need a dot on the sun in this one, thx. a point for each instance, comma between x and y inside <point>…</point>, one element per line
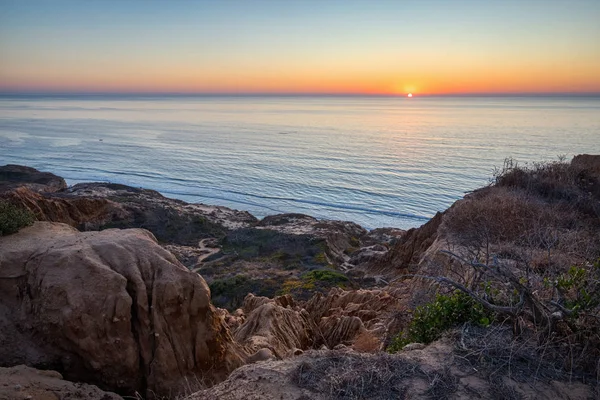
<point>409,95</point>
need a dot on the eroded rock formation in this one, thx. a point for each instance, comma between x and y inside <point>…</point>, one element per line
<point>111,308</point>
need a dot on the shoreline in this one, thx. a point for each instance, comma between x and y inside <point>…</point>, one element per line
<point>174,196</point>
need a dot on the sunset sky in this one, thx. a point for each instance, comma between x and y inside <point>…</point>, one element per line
<point>369,47</point>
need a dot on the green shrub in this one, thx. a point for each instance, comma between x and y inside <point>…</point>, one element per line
<point>325,276</point>
<point>431,320</point>
<point>308,284</point>
<point>13,218</point>
<point>579,287</point>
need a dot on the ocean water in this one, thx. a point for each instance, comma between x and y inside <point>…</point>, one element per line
<point>377,161</point>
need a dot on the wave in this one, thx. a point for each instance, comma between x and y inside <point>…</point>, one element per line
<point>200,193</point>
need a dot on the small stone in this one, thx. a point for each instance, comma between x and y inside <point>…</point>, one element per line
<point>414,346</point>
<point>18,387</point>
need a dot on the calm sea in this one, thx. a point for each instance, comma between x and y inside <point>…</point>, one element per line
<point>373,160</point>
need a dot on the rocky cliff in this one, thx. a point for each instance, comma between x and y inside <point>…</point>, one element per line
<point>110,308</point>
<point>126,309</point>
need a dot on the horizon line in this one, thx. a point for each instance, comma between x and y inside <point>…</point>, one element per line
<point>295,94</point>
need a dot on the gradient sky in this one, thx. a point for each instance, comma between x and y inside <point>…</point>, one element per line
<point>376,47</point>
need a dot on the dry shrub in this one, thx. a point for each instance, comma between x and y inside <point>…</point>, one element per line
<point>355,376</point>
<point>575,183</point>
<point>366,342</point>
<point>526,247</point>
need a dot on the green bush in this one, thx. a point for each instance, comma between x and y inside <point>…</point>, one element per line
<point>445,312</point>
<point>13,218</point>
<point>325,276</point>
<point>579,287</point>
<point>308,284</point>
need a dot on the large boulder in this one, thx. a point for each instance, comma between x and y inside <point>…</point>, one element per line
<point>22,382</point>
<point>111,308</point>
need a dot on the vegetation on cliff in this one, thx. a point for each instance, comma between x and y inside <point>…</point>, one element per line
<point>13,218</point>
<point>524,249</point>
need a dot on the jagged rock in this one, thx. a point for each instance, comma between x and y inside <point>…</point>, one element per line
<point>280,329</point>
<point>110,308</point>
<point>22,382</point>
<point>340,330</point>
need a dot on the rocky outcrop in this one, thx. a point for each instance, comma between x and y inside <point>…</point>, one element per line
<point>83,212</point>
<point>22,382</point>
<point>270,324</point>
<point>340,236</point>
<point>219,243</point>
<point>409,249</point>
<point>111,308</point>
<point>434,372</point>
<point>338,318</point>
<point>13,176</point>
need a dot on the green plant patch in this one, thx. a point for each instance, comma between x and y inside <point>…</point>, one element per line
<point>13,218</point>
<point>431,320</point>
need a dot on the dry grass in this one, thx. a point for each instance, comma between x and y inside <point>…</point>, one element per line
<point>514,241</point>
<point>495,352</point>
<point>355,376</point>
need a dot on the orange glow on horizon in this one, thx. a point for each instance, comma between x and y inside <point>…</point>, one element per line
<point>370,81</point>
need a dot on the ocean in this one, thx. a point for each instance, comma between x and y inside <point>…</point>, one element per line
<point>377,161</point>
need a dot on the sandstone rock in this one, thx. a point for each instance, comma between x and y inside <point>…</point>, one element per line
<point>280,329</point>
<point>111,308</point>
<point>22,382</point>
<point>408,250</point>
<point>82,212</point>
<point>340,330</point>
<point>430,373</point>
<point>263,354</point>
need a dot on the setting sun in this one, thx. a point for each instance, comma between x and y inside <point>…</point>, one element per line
<point>409,95</point>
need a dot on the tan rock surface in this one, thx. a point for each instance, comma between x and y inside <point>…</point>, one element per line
<point>21,382</point>
<point>111,308</point>
<point>430,373</point>
<point>277,328</point>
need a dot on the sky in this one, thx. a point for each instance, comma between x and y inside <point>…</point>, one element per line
<point>334,47</point>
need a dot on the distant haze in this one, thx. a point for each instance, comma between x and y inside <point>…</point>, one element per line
<point>360,47</point>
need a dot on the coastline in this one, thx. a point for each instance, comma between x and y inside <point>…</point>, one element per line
<point>291,292</point>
